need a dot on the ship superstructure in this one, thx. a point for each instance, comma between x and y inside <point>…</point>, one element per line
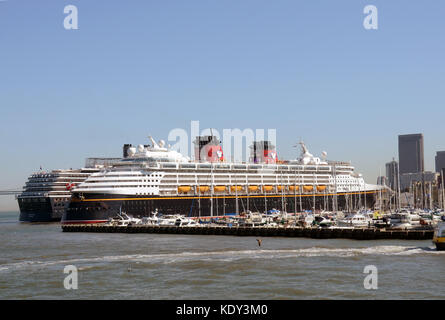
<point>154,178</point>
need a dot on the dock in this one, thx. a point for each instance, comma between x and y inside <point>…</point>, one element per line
<point>294,232</point>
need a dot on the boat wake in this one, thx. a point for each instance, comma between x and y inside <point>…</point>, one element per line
<point>231,255</point>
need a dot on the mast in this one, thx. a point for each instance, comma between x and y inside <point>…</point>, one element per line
<point>295,191</point>
<point>364,192</point>
<point>236,195</point>
<point>313,190</point>
<point>295,195</point>
<point>283,209</point>
<point>211,190</point>
<point>431,196</point>
<point>265,199</point>
<point>380,192</point>
<point>299,189</point>
<point>398,187</point>
<point>335,190</point>
<point>443,192</point>
<point>211,176</point>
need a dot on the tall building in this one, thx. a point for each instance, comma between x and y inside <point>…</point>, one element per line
<point>392,169</point>
<point>381,181</point>
<point>411,153</point>
<point>440,161</point>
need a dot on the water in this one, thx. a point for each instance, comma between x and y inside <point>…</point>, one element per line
<point>147,266</point>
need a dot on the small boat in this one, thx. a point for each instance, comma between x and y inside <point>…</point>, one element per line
<point>324,222</point>
<point>401,220</point>
<point>439,235</point>
<point>167,220</point>
<point>153,219</point>
<point>252,219</point>
<point>123,220</point>
<point>357,220</point>
<point>182,221</point>
<point>306,220</point>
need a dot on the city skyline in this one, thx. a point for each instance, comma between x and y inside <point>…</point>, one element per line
<point>133,71</point>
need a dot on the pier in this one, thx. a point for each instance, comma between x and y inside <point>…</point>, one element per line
<point>296,232</point>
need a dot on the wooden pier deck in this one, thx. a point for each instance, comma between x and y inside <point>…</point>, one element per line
<point>315,233</point>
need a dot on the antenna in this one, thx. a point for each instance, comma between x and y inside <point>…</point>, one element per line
<point>153,141</point>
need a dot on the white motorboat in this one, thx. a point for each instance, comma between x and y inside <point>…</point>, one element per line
<point>306,220</point>
<point>122,219</point>
<point>401,220</point>
<point>254,219</point>
<point>357,220</point>
<point>182,221</point>
<point>324,222</point>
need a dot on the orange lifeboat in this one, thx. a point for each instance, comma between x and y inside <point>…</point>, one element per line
<point>267,188</point>
<point>321,188</point>
<point>184,189</point>
<point>292,188</point>
<point>202,189</point>
<point>308,188</point>
<point>253,188</point>
<point>236,188</point>
<point>219,188</point>
<point>281,188</point>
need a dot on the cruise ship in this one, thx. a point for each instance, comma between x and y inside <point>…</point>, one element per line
<point>154,178</point>
<point>46,195</point>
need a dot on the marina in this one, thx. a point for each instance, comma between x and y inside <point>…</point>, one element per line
<point>314,233</point>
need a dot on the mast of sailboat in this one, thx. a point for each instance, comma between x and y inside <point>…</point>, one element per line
<point>313,190</point>
<point>295,195</point>
<point>211,190</point>
<point>443,192</point>
<point>211,177</point>
<point>398,187</point>
<point>282,193</point>
<point>236,195</point>
<point>364,192</point>
<point>335,190</point>
<point>431,196</point>
<point>380,192</point>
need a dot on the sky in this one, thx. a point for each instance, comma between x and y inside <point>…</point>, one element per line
<point>308,69</point>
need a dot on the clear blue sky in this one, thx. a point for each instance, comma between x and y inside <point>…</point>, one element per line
<point>134,68</point>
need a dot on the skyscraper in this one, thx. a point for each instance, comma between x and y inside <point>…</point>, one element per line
<point>411,153</point>
<point>392,170</point>
<point>440,161</point>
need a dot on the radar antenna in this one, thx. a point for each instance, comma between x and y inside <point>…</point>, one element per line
<point>153,141</point>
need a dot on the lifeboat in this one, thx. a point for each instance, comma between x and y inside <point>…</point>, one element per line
<point>267,188</point>
<point>321,188</point>
<point>308,188</point>
<point>281,188</point>
<point>184,189</point>
<point>236,188</point>
<point>202,189</point>
<point>219,188</point>
<point>292,188</point>
<point>253,188</point>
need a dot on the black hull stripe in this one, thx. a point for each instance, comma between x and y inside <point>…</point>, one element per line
<point>228,196</point>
